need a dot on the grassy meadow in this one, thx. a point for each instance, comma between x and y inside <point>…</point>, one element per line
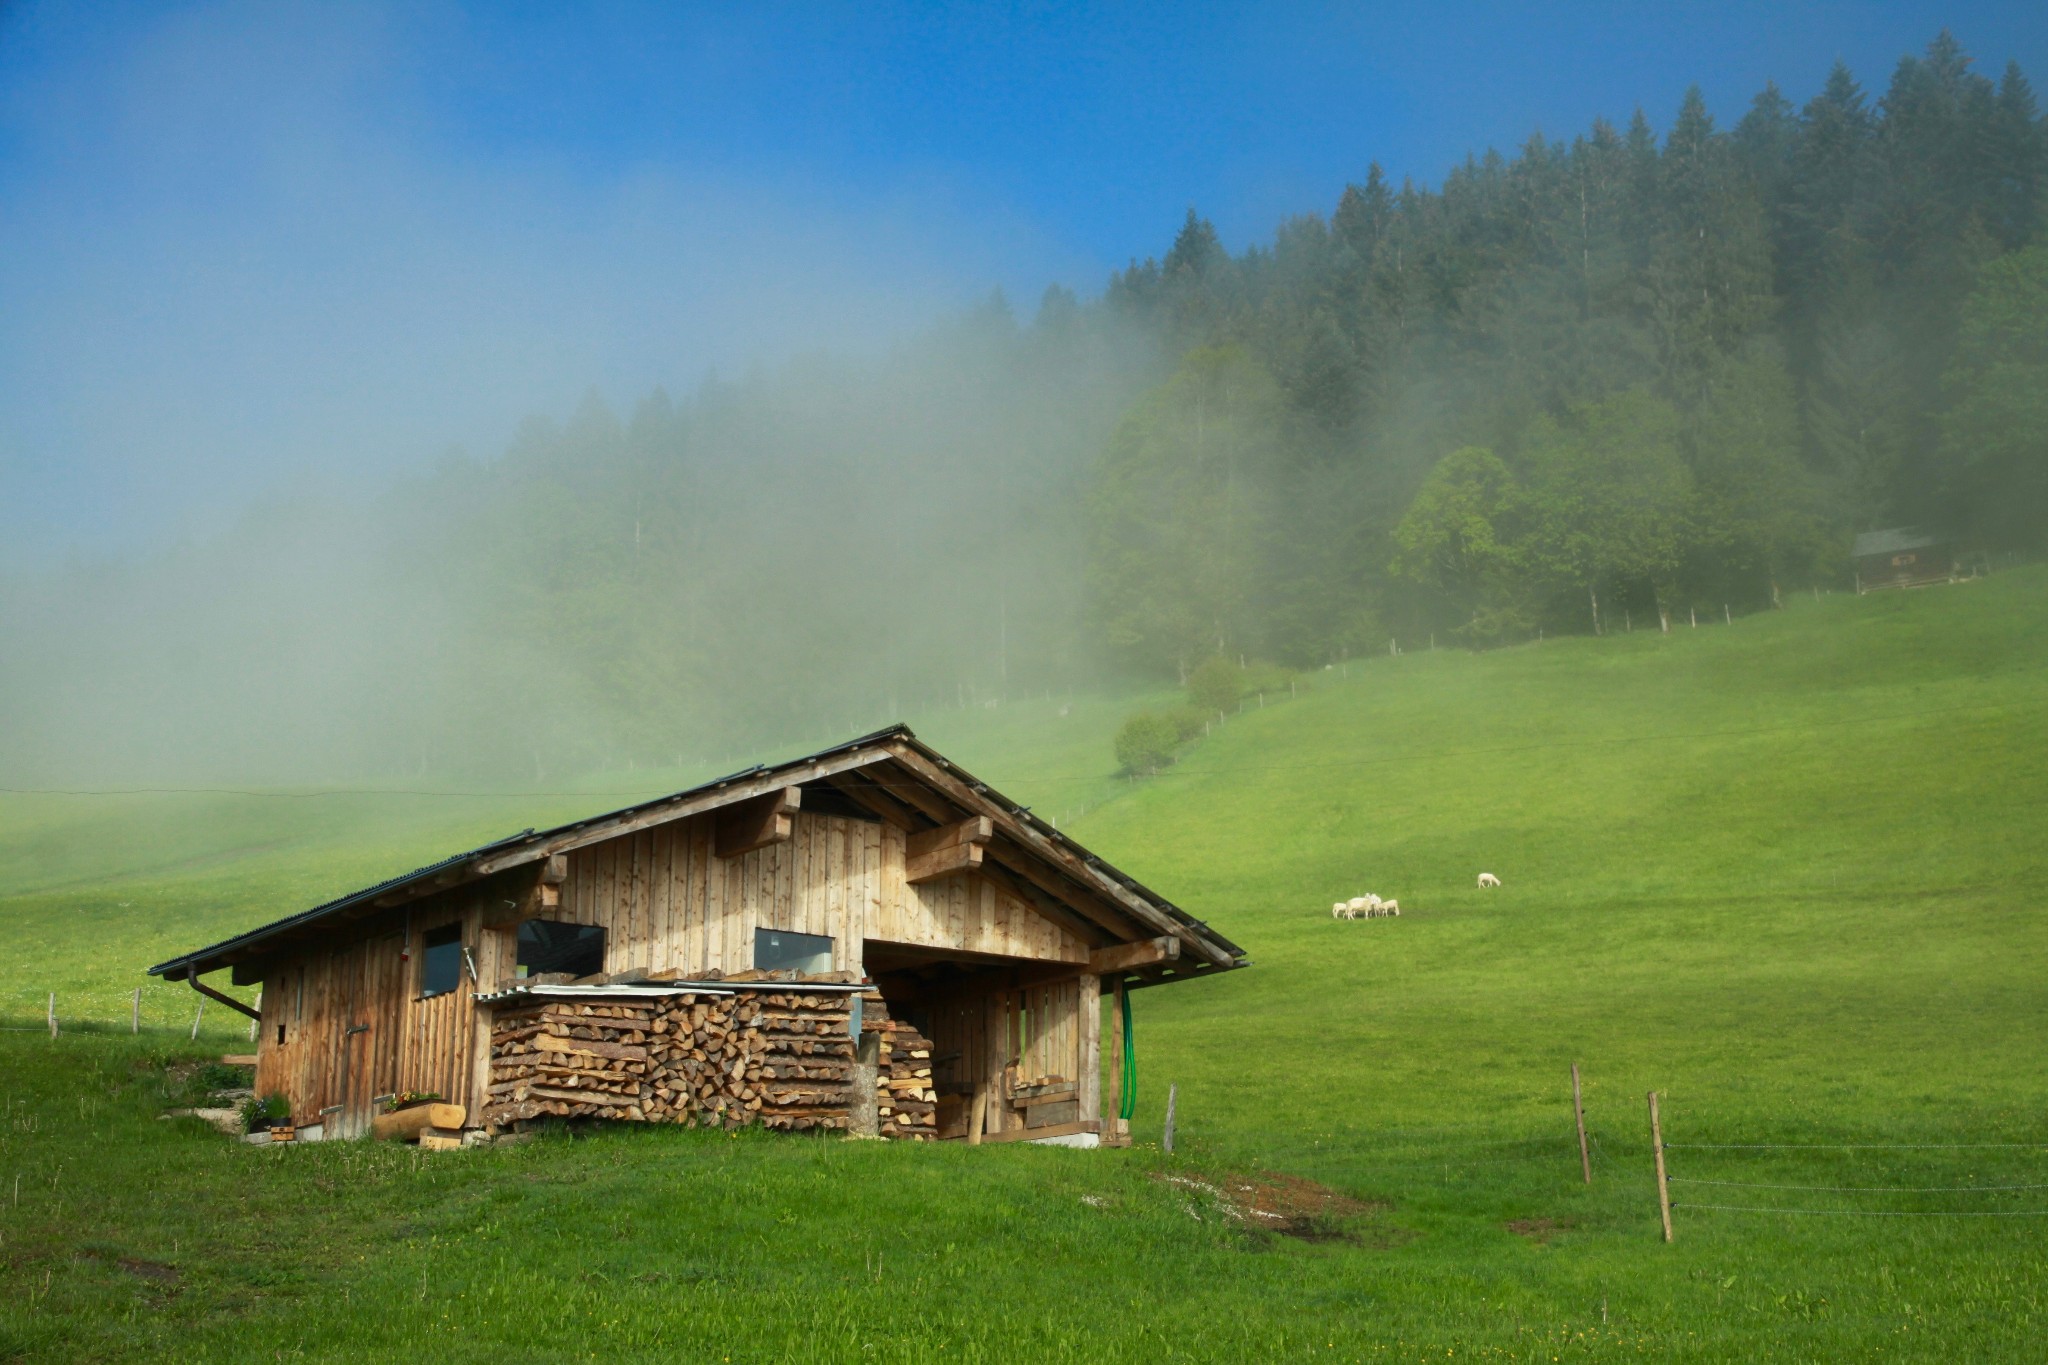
<point>1789,873</point>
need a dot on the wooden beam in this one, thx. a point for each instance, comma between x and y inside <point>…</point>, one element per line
<point>212,994</point>
<point>758,822</point>
<point>1088,1044</point>
<point>1115,926</point>
<point>941,852</point>
<point>1080,926</point>
<point>1060,856</point>
<point>875,797</point>
<point>912,792</point>
<point>1173,971</point>
<point>1127,956</point>
<point>1050,1130</point>
<point>680,807</point>
<point>411,1122</point>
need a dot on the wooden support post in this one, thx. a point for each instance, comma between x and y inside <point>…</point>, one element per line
<point>1579,1112</point>
<point>1088,1044</point>
<point>977,1116</point>
<point>256,1019</point>
<point>135,1013</point>
<point>1663,1185</point>
<point>196,1014</point>
<point>53,1014</point>
<point>1166,1134</point>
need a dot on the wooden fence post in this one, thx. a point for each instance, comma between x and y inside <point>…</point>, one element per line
<point>135,1013</point>
<point>1166,1135</point>
<point>1579,1112</point>
<point>1663,1185</point>
<point>53,1014</point>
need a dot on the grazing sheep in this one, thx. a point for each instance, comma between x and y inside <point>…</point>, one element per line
<point>1487,879</point>
<point>1356,907</point>
<point>1390,907</point>
<point>1340,911</point>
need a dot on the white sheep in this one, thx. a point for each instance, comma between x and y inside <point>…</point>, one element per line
<point>1340,911</point>
<point>1487,879</point>
<point>1390,907</point>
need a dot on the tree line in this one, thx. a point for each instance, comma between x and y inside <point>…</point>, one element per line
<point>1621,373</point>
<point>1618,371</point>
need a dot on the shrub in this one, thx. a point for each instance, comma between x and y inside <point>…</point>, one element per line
<point>1218,685</point>
<point>1145,742</point>
<point>1187,722</point>
<point>1215,687</point>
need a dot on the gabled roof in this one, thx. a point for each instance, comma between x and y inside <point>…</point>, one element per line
<point>1892,541</point>
<point>891,773</point>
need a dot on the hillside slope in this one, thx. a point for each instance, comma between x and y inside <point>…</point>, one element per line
<point>1786,872</point>
<point>1756,865</point>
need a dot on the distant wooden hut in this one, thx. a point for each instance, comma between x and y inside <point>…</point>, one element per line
<point>1902,557</point>
<point>867,938</point>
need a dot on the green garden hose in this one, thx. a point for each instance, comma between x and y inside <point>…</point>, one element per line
<point>1130,1084</point>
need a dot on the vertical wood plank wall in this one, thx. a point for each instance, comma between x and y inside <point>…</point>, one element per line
<point>668,904</point>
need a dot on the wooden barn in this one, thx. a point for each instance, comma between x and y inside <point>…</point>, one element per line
<point>865,939</point>
<point>1901,557</point>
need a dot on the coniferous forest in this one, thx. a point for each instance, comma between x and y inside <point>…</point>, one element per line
<point>1626,371</point>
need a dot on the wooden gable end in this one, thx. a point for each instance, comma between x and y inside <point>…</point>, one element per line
<point>670,905</point>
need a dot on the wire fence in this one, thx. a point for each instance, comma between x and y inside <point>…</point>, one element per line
<point>156,1009</point>
<point>1866,1213</point>
<point>1856,1196</point>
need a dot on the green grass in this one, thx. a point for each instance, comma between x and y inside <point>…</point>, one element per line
<point>1789,873</point>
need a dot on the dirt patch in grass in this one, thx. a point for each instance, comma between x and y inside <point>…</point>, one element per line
<point>155,1271</point>
<point>1286,1205</point>
<point>1540,1230</point>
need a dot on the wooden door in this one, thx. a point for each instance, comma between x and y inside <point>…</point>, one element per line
<point>373,981</point>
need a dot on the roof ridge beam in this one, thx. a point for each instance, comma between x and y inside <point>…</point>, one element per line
<point>680,807</point>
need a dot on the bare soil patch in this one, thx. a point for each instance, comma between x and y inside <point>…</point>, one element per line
<point>149,1270</point>
<point>1288,1205</point>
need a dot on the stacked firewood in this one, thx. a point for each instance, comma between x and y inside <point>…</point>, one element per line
<point>783,1060</point>
<point>801,1058</point>
<point>906,1099</point>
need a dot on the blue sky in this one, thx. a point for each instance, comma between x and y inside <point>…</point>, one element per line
<point>247,248</point>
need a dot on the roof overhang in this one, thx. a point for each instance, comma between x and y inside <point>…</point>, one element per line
<point>892,774</point>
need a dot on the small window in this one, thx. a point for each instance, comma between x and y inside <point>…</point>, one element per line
<point>778,950</point>
<point>441,964</point>
<point>280,1035</point>
<point>547,945</point>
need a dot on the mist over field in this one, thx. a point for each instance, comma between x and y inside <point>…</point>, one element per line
<point>340,451</point>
